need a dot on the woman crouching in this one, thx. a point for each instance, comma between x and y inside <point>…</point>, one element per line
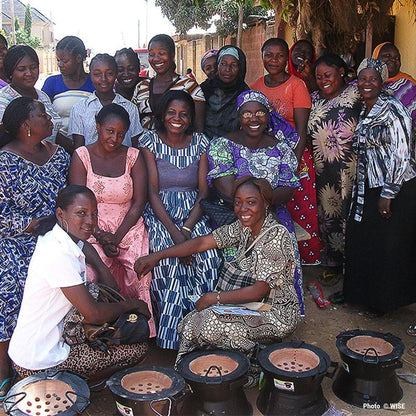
<point>265,265</point>
<point>54,284</point>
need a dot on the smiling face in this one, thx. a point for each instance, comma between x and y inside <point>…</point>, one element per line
<point>67,63</point>
<point>391,56</point>
<point>369,85</point>
<point>228,69</point>
<point>177,117</point>
<point>160,58</point>
<point>250,207</point>
<point>275,59</point>
<point>111,133</point>
<point>209,66</point>
<point>253,119</point>
<point>302,51</point>
<point>39,122</point>
<point>103,76</point>
<point>25,74</point>
<point>80,218</point>
<point>329,80</point>
<point>128,71</point>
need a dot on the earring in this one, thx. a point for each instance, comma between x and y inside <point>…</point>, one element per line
<point>65,224</point>
<point>28,132</point>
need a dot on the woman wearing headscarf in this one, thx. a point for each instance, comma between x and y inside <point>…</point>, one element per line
<point>302,57</point>
<point>399,84</point>
<point>380,239</point>
<point>222,91</point>
<point>208,63</point>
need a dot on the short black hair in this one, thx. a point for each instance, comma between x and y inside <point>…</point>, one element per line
<point>275,41</point>
<point>332,59</point>
<point>129,52</point>
<point>165,40</point>
<point>104,57</point>
<point>167,98</point>
<point>113,110</point>
<point>14,55</point>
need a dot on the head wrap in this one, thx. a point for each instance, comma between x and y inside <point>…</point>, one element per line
<point>251,95</point>
<point>377,65</point>
<point>228,50</point>
<point>291,67</point>
<point>206,55</point>
<point>377,49</point>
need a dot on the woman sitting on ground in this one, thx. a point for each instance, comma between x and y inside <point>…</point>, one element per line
<point>55,283</point>
<point>82,125</point>
<point>117,175</point>
<point>266,266</point>
<point>177,168</point>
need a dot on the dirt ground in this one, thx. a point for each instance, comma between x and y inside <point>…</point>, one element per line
<point>320,328</point>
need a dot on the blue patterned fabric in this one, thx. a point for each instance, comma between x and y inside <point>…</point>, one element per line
<point>172,283</point>
<point>27,191</point>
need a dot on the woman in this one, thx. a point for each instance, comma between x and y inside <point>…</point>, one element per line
<point>82,126</point>
<point>71,85</point>
<point>268,267</point>
<point>177,169</point>
<point>334,116</point>
<point>32,171</point>
<point>149,92</point>
<point>128,72</point>
<point>117,176</point>
<point>399,84</point>
<point>55,283</point>
<point>3,50</point>
<point>208,63</point>
<point>380,239</point>
<point>222,90</point>
<point>255,151</point>
<point>302,57</point>
<point>21,67</point>
<point>289,97</point>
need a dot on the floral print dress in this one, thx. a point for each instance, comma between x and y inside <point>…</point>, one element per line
<point>331,128</point>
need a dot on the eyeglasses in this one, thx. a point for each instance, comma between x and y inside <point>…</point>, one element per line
<point>248,114</point>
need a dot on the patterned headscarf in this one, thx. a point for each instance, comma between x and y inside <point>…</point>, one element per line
<point>251,95</point>
<point>206,55</point>
<point>376,64</point>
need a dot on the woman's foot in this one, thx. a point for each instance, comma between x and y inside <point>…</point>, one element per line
<point>331,276</point>
<point>5,386</point>
<point>411,330</point>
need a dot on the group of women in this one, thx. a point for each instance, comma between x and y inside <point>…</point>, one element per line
<point>302,146</point>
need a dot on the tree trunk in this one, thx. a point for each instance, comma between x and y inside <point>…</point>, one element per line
<point>240,24</point>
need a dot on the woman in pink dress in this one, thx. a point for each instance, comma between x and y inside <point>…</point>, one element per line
<point>117,176</point>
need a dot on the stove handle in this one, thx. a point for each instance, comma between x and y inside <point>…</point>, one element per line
<point>161,400</point>
<point>213,382</point>
<point>370,359</point>
<point>7,402</point>
<point>392,364</point>
<point>334,365</point>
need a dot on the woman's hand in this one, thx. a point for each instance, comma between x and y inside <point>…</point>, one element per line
<point>144,265</point>
<point>110,250</point>
<point>138,306</point>
<point>383,207</point>
<point>178,238</point>
<point>206,300</point>
<point>105,237</point>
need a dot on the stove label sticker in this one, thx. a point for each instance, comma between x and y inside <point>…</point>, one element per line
<point>124,410</point>
<point>284,385</point>
<point>345,365</point>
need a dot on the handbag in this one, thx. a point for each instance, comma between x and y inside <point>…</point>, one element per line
<point>129,328</point>
<point>219,209</point>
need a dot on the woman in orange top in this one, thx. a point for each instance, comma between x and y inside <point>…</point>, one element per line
<point>289,96</point>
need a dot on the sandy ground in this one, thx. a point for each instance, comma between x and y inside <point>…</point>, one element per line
<point>320,328</point>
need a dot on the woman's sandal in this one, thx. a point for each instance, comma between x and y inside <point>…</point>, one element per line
<point>329,278</point>
<point>4,383</point>
<point>411,330</point>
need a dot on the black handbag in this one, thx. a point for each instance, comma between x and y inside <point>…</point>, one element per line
<point>219,209</point>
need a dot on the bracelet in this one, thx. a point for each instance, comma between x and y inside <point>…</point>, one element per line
<point>187,229</point>
<point>218,297</point>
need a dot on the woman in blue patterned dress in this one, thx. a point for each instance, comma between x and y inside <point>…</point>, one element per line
<point>32,171</point>
<point>177,169</point>
<point>262,148</point>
